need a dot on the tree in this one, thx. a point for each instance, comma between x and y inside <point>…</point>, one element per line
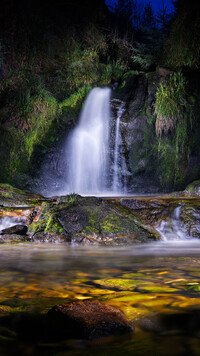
<point>163,18</point>
<point>148,19</point>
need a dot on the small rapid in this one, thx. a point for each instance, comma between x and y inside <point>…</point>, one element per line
<point>173,228</point>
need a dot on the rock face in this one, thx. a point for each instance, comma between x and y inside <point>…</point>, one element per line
<point>86,320</point>
<point>138,134</point>
<point>155,163</point>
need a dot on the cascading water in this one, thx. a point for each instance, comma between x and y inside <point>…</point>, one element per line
<point>88,149</point>
<point>119,163</point>
<point>173,228</point>
<point>6,222</point>
<point>88,146</point>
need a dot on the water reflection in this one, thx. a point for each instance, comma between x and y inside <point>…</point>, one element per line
<point>144,281</point>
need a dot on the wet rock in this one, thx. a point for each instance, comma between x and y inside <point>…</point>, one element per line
<point>88,220</point>
<point>86,320</point>
<point>16,229</point>
<point>138,134</point>
<point>150,325</point>
<point>49,237</point>
<point>13,238</point>
<point>148,210</point>
<point>193,188</point>
<point>13,197</point>
<point>190,217</point>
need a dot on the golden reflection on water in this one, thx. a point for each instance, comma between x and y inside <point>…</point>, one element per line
<point>36,277</point>
<point>139,286</point>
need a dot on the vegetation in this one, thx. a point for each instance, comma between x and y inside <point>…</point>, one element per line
<point>170,103</point>
<point>46,77</point>
<point>51,55</point>
<point>182,47</point>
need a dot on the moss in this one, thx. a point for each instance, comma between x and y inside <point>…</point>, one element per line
<point>11,196</point>
<point>104,222</point>
<point>72,105</point>
<point>193,188</point>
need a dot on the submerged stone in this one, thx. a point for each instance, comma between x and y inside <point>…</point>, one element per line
<point>86,320</point>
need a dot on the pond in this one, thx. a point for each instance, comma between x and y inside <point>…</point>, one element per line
<point>156,285</point>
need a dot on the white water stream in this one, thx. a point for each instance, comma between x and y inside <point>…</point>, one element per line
<point>88,149</point>
<point>173,228</point>
<point>119,164</point>
<point>6,222</point>
<point>87,146</point>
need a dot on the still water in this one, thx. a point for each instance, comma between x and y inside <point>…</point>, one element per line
<point>156,285</point>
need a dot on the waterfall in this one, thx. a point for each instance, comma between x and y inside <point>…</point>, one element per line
<point>88,146</point>
<point>118,158</point>
<point>95,159</point>
<point>6,222</point>
<point>119,163</point>
<point>173,228</point>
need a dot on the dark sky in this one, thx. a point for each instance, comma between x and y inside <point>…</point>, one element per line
<point>155,3</point>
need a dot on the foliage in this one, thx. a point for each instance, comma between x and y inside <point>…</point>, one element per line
<point>73,103</point>
<point>170,103</point>
<point>1,54</point>
<point>44,84</point>
<point>182,47</point>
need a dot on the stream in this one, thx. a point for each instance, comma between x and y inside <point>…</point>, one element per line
<point>156,285</point>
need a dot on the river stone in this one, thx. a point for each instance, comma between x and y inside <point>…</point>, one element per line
<point>16,229</point>
<point>86,320</point>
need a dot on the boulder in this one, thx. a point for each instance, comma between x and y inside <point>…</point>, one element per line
<point>16,229</point>
<point>88,220</point>
<point>86,320</point>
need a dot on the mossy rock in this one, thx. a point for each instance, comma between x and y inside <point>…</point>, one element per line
<point>13,197</point>
<point>88,220</point>
<point>193,188</point>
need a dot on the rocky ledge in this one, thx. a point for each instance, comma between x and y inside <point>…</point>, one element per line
<point>72,219</point>
<point>89,220</point>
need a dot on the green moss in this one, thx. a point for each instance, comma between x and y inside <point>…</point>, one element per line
<point>72,105</point>
<point>193,188</point>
